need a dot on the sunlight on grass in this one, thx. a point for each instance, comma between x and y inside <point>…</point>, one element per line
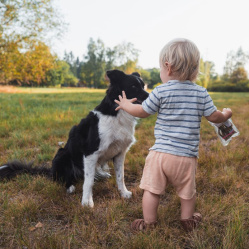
<point>12,89</point>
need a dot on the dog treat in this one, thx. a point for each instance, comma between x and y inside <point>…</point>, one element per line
<point>225,131</point>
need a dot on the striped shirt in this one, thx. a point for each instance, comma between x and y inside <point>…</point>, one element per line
<point>180,107</point>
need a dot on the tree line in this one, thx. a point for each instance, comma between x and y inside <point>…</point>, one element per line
<point>28,27</point>
<point>90,71</point>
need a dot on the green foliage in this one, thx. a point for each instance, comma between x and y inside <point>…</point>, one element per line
<point>207,73</point>
<point>151,77</point>
<point>99,59</point>
<point>226,86</point>
<point>125,53</point>
<point>93,69</point>
<point>25,28</point>
<point>26,22</point>
<point>27,67</point>
<point>145,75</point>
<point>129,67</point>
<point>239,74</point>
<point>74,63</point>
<point>61,75</point>
<point>234,70</point>
<point>154,77</point>
<point>235,60</point>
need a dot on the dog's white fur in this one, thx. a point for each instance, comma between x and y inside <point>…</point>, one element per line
<point>116,136</point>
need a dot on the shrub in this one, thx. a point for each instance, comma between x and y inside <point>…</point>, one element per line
<point>225,86</point>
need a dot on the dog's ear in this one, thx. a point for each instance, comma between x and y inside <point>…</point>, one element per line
<point>114,75</point>
<point>136,74</point>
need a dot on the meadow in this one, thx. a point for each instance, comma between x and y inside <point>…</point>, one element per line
<point>37,213</point>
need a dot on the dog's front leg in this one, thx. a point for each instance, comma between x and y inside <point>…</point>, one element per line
<point>119,171</point>
<point>90,163</point>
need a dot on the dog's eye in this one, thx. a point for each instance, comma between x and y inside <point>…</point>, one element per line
<point>134,88</point>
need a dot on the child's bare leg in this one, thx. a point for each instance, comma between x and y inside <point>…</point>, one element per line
<point>150,206</point>
<point>187,208</point>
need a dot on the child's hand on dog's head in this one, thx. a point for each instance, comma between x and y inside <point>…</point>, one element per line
<point>123,101</point>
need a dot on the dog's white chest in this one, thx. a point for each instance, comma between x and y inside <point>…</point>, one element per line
<point>116,134</point>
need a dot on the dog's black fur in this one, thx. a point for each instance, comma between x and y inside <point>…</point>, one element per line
<point>84,139</point>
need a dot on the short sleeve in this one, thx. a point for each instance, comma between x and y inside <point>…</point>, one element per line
<point>209,106</point>
<point>152,103</point>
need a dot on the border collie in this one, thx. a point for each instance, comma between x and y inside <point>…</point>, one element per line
<point>104,135</point>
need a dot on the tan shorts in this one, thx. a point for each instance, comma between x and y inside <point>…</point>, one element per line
<point>162,169</point>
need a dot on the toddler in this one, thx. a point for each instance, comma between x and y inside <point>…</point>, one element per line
<point>180,105</point>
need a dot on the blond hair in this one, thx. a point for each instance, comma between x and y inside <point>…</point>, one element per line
<point>183,57</point>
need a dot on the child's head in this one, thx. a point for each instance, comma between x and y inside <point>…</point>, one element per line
<point>183,57</point>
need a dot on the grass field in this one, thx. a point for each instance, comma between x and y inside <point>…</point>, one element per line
<point>37,213</point>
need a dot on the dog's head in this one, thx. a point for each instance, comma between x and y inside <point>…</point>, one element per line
<point>132,84</point>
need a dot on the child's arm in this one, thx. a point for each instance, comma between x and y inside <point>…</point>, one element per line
<point>220,117</point>
<point>133,109</point>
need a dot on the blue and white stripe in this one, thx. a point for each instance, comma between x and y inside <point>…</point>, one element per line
<point>180,107</point>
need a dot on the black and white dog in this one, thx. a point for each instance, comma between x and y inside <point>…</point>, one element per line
<point>104,135</point>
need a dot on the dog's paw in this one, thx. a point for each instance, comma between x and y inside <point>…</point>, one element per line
<point>102,176</point>
<point>71,189</point>
<point>102,172</point>
<point>126,194</point>
<point>87,204</point>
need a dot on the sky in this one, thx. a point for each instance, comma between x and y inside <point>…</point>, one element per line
<point>217,27</point>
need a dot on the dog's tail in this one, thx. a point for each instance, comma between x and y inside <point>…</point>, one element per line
<point>14,168</point>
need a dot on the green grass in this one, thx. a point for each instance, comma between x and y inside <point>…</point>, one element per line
<point>31,125</point>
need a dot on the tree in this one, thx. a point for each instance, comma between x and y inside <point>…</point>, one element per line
<point>99,59</point>
<point>24,22</point>
<point>8,62</point>
<point>93,69</point>
<point>36,62</point>
<point>123,57</point>
<point>125,52</point>
<point>155,77</point>
<point>207,73</point>
<point>74,64</point>
<point>129,67</point>
<point>29,67</point>
<point>61,75</point>
<point>25,28</point>
<point>111,55</point>
<point>238,75</point>
<point>145,75</point>
<point>235,65</point>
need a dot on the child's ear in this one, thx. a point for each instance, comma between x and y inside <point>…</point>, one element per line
<point>168,66</point>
